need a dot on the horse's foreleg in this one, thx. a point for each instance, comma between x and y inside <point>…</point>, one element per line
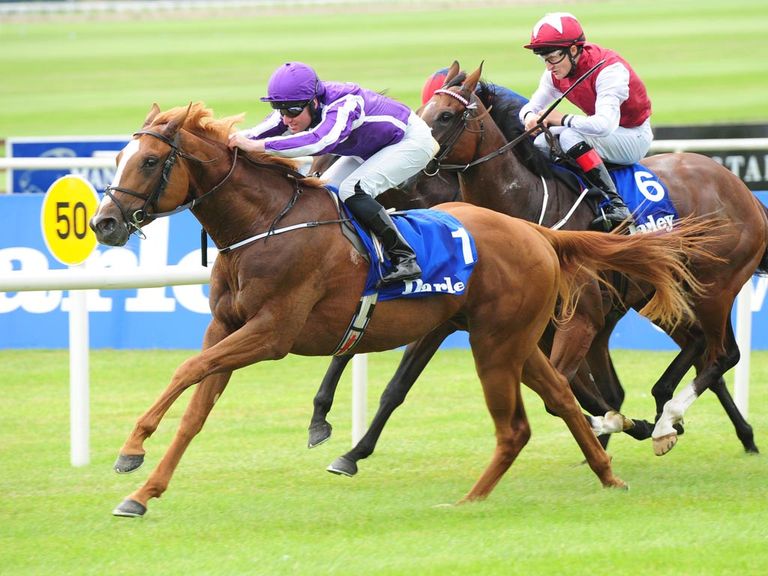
<point>132,453</point>
<point>212,368</point>
<point>540,375</point>
<point>205,396</point>
<point>319,427</point>
<point>417,355</point>
<point>572,341</point>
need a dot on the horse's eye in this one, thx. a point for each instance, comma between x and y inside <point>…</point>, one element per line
<point>149,162</point>
<point>446,116</point>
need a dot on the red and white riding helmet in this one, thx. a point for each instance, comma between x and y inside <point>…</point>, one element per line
<point>556,30</point>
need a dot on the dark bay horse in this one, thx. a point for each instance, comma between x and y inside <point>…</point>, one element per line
<point>698,186</point>
<point>286,280</point>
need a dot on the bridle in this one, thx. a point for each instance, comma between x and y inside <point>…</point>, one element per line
<point>148,210</point>
<point>470,105</point>
<point>460,124</point>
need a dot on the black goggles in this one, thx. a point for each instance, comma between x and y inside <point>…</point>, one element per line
<point>290,109</point>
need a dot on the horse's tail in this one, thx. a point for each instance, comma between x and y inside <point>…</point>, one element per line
<point>656,258</point>
<point>762,268</point>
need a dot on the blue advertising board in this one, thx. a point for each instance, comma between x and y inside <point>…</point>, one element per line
<point>166,317</point>
<point>176,316</point>
<point>38,181</point>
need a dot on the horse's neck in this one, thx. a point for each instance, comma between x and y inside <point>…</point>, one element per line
<point>248,203</point>
<point>503,183</point>
<point>507,185</point>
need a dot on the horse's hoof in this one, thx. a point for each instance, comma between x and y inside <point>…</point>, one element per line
<point>617,483</point>
<point>319,433</point>
<point>343,466</point>
<point>664,444</point>
<point>127,463</point>
<point>129,509</point>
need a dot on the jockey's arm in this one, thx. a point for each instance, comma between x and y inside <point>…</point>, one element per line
<point>337,122</point>
<point>612,86</point>
<point>541,98</point>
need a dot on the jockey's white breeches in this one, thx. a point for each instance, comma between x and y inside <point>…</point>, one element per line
<point>622,146</point>
<point>387,168</point>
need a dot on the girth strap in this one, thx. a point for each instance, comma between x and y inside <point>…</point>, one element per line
<point>357,326</point>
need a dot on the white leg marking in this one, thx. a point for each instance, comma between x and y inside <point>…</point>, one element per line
<point>611,423</point>
<point>673,411</point>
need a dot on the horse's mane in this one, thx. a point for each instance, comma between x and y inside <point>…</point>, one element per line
<point>505,113</point>
<point>200,121</point>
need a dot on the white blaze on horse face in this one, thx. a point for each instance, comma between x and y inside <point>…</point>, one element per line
<point>128,152</point>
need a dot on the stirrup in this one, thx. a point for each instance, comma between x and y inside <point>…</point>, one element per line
<point>404,271</point>
<point>606,222</point>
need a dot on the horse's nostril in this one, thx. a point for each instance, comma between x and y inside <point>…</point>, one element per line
<point>104,226</point>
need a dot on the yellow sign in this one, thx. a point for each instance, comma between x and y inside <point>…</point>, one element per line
<point>68,206</point>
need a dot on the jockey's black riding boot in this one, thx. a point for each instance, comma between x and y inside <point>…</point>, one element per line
<point>616,212</point>
<point>373,215</point>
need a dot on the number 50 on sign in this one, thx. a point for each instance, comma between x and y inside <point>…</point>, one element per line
<point>69,205</point>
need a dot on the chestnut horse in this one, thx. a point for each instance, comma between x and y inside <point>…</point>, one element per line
<point>286,280</point>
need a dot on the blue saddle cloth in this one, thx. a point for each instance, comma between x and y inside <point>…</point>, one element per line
<point>646,197</point>
<point>643,193</point>
<point>444,249</point>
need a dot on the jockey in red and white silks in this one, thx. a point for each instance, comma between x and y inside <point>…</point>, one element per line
<point>616,123</point>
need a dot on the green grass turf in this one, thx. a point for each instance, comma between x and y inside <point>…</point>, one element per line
<point>702,61</point>
<point>250,498</point>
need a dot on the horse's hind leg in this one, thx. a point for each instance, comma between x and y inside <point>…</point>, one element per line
<point>319,427</point>
<point>417,355</point>
<point>205,396</point>
<point>500,377</point>
<point>720,338</point>
<point>743,429</point>
<point>716,384</point>
<point>540,375</point>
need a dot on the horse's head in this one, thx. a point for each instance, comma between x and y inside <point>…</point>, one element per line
<point>455,115</point>
<point>151,178</point>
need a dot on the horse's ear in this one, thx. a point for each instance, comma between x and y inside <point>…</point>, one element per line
<point>175,124</point>
<point>154,111</point>
<point>471,82</point>
<point>452,72</point>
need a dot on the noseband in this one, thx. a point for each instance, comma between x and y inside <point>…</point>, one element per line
<point>138,217</point>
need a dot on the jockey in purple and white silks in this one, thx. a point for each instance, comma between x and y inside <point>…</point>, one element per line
<point>382,143</point>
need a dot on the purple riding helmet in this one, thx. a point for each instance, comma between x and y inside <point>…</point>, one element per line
<point>292,82</point>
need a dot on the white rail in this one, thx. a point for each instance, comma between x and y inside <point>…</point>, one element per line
<point>108,160</point>
<point>84,279</point>
<point>708,145</point>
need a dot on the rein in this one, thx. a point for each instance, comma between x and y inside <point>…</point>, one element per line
<point>468,106</point>
<point>138,217</point>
